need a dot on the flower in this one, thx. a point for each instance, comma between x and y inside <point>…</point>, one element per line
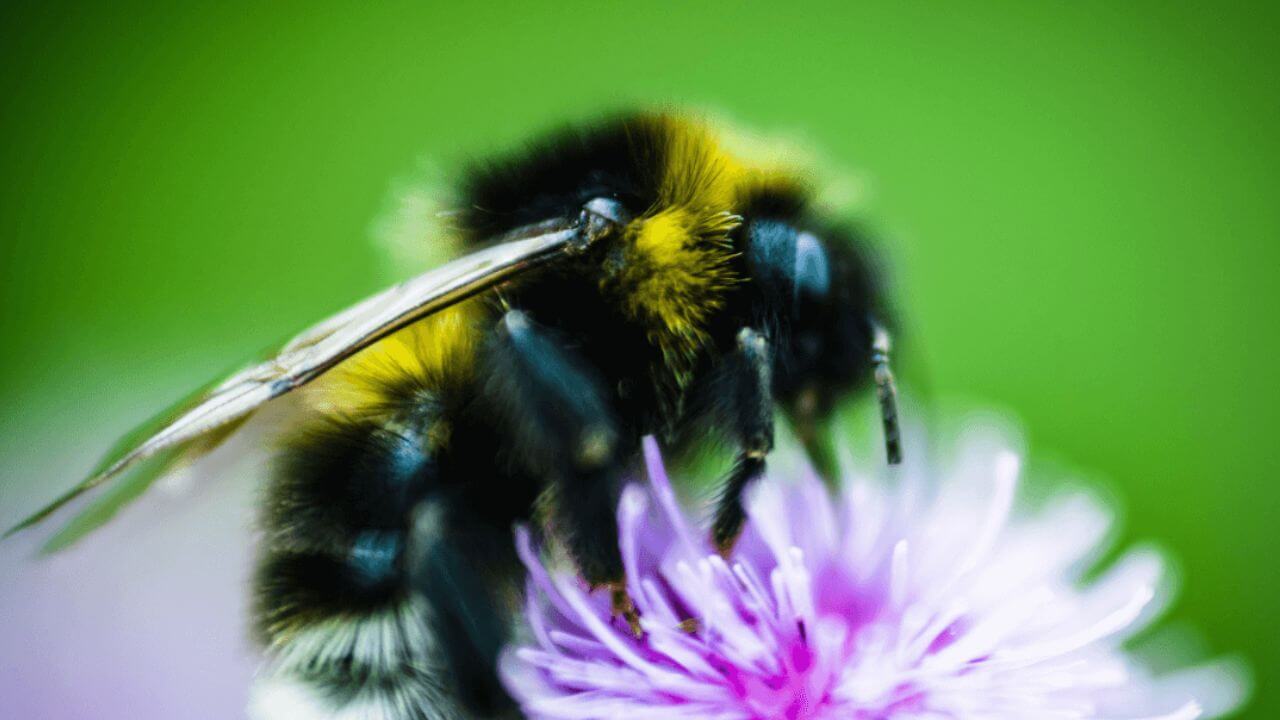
<point>888,601</point>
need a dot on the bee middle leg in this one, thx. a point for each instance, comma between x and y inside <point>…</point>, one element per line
<point>554,409</point>
<point>748,383</point>
<point>462,566</point>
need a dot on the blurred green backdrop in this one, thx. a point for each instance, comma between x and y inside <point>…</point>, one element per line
<point>1079,200</point>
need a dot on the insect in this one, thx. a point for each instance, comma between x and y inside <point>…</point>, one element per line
<point>626,278</point>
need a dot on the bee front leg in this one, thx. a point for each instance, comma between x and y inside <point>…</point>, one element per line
<point>750,417</point>
<point>561,425</point>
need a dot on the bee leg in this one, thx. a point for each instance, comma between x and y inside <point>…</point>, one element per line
<point>556,411</point>
<point>457,565</point>
<point>811,420</point>
<point>750,402</point>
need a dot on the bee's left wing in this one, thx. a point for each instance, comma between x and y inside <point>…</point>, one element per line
<point>216,412</point>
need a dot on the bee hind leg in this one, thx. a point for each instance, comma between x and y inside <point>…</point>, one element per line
<point>562,427</point>
<point>459,567</point>
<point>748,384</point>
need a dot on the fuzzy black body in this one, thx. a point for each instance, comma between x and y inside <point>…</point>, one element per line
<point>388,575</point>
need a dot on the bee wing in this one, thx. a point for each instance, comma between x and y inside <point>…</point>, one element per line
<point>199,424</point>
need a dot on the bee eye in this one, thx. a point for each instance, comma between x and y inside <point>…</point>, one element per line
<point>791,264</point>
<point>812,270</point>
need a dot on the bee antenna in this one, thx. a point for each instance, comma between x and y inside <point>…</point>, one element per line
<point>886,391</point>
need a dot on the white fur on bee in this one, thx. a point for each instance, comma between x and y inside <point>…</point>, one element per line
<point>381,643</point>
<point>393,649</point>
<point>280,697</point>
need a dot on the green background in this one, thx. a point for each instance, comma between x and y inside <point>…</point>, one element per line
<point>1079,200</point>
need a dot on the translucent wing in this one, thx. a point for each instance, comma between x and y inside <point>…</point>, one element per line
<point>214,413</point>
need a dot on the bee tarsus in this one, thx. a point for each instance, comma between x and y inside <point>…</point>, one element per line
<point>748,381</point>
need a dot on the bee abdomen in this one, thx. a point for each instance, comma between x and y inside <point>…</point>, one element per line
<point>333,605</point>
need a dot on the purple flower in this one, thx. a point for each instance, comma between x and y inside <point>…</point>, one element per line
<point>888,601</point>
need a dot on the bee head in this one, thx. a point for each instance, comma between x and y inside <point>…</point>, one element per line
<point>820,297</point>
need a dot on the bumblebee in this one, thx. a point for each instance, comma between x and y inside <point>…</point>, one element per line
<point>628,278</point>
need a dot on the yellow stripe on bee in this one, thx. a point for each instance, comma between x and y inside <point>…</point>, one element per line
<point>698,174</point>
<point>678,267</point>
<point>719,166</point>
<point>677,255</point>
<point>435,350</point>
